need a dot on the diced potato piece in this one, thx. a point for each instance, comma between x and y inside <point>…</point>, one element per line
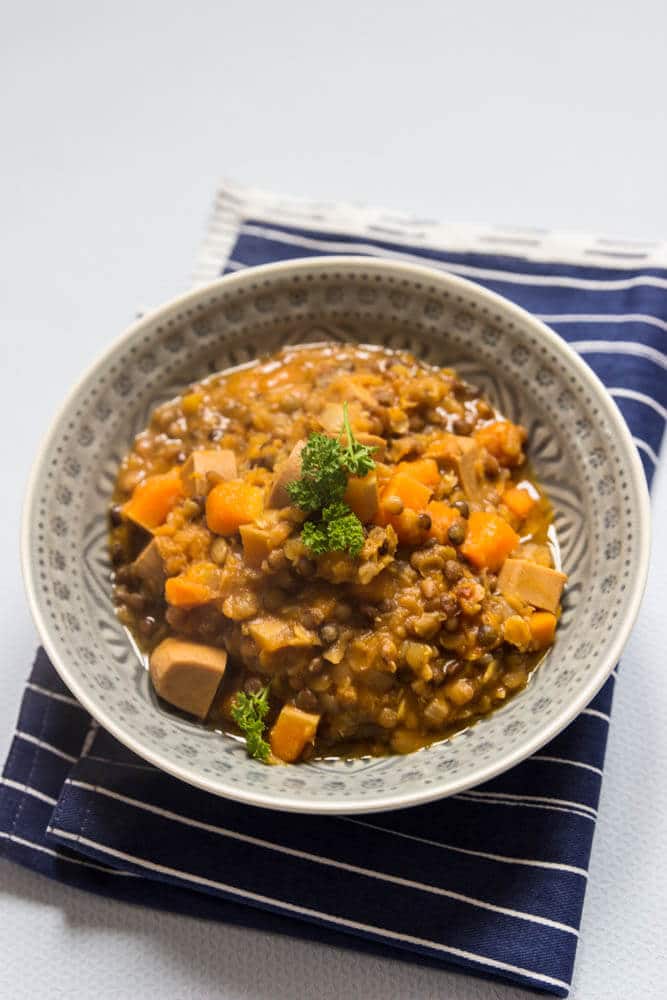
<point>187,674</point>
<point>292,731</point>
<point>259,540</point>
<point>287,472</point>
<point>149,567</point>
<point>362,496</point>
<point>195,472</point>
<point>532,583</point>
<point>271,633</point>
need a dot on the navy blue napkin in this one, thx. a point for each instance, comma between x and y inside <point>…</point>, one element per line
<point>491,880</point>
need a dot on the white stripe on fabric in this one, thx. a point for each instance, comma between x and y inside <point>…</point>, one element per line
<point>646,448</point>
<point>64,857</point>
<point>604,318</point>
<point>303,911</point>
<point>596,714</point>
<point>54,694</point>
<point>28,790</point>
<point>620,347</point>
<point>46,746</point>
<point>541,799</point>
<point>510,277</point>
<point>502,858</point>
<point>564,760</point>
<point>121,763</point>
<point>639,397</point>
<point>473,797</point>
<point>321,860</point>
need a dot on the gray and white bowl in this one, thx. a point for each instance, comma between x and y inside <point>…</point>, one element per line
<point>578,442</point>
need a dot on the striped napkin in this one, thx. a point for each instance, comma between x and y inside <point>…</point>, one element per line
<point>491,880</point>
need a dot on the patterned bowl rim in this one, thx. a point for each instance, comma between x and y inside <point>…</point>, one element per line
<point>443,787</point>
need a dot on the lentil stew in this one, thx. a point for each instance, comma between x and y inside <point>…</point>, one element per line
<point>340,547</point>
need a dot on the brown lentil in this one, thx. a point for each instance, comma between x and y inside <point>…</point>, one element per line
<point>457,533</point>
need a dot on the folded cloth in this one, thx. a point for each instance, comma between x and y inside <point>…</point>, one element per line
<point>491,880</point>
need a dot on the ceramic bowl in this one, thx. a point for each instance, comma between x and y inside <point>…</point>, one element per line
<point>578,443</point>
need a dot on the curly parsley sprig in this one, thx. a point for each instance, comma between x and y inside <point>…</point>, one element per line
<point>325,467</point>
<point>323,479</point>
<point>249,712</point>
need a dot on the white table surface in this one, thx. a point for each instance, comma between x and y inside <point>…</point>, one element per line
<point>116,121</point>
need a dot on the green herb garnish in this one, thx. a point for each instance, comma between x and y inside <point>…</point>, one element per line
<point>249,712</point>
<point>339,530</point>
<point>357,458</point>
<point>325,467</point>
<point>323,478</point>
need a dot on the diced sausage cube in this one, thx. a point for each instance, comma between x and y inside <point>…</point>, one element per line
<point>362,496</point>
<point>530,582</point>
<point>187,674</point>
<point>221,464</point>
<point>149,567</point>
<point>292,731</point>
<point>288,472</point>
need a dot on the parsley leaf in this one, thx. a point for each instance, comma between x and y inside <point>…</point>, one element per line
<point>248,712</point>
<point>345,532</point>
<point>339,530</point>
<point>357,458</point>
<point>315,536</point>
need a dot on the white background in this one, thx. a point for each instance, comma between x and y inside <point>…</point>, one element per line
<point>116,122</point>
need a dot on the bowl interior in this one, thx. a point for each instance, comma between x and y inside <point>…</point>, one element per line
<point>579,447</point>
